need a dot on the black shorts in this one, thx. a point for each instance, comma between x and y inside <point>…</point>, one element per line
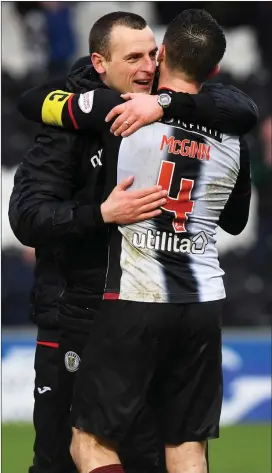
<point>165,355</point>
<point>57,361</point>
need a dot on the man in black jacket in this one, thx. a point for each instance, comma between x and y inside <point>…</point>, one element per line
<point>55,207</point>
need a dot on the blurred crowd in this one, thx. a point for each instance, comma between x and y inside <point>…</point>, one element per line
<point>41,40</point>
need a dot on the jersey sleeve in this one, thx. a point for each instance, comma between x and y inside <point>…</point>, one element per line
<point>234,217</point>
<point>68,110</point>
<point>200,108</point>
<point>236,113</point>
<point>31,102</point>
<point>218,106</point>
<point>89,110</point>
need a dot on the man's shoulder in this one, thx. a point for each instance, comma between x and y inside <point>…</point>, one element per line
<point>84,79</point>
<point>228,92</point>
<point>53,140</point>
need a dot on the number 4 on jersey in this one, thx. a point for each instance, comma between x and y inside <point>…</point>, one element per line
<point>182,205</point>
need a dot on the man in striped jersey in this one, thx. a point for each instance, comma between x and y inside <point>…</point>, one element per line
<point>158,336</point>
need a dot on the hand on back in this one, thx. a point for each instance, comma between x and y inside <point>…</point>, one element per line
<point>126,207</point>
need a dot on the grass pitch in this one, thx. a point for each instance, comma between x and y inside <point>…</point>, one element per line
<point>240,449</point>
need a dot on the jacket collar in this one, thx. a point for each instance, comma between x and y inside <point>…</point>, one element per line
<point>83,79</point>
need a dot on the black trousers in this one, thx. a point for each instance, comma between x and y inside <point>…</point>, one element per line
<point>57,361</point>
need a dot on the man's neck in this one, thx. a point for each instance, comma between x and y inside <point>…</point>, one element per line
<point>177,83</point>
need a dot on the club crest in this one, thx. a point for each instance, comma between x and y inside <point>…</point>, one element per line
<point>71,361</point>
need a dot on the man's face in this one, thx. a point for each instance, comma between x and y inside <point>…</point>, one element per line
<point>132,64</point>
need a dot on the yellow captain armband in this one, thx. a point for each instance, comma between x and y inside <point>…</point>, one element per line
<point>53,106</point>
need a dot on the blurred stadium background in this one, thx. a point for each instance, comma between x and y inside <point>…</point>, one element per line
<point>41,40</point>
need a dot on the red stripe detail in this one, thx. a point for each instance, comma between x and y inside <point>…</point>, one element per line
<point>49,344</point>
<point>111,295</point>
<point>70,111</point>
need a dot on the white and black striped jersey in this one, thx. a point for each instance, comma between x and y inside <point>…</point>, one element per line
<point>171,258</point>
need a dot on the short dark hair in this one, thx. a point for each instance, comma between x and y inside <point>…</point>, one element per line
<point>194,44</point>
<point>99,37</point>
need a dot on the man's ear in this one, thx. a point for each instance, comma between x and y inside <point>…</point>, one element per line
<point>98,63</point>
<point>215,71</point>
<point>161,53</point>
